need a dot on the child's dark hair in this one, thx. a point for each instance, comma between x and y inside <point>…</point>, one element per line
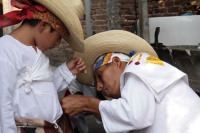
<point>33,22</point>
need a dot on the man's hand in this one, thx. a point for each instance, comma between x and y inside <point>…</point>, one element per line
<point>75,104</point>
<point>76,65</point>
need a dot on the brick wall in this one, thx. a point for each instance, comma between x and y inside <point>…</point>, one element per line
<point>156,8</point>
<point>103,18</point>
<point>98,16</point>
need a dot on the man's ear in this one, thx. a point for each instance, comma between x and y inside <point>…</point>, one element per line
<point>116,61</point>
<point>42,25</point>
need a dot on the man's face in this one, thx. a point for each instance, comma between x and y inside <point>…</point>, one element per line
<point>47,39</point>
<point>107,79</point>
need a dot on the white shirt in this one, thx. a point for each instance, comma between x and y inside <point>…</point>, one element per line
<point>42,101</point>
<point>147,107</point>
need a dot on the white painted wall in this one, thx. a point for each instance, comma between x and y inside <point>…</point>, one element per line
<point>177,30</point>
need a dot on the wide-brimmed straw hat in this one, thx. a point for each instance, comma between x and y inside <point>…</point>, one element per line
<point>109,41</point>
<point>69,12</point>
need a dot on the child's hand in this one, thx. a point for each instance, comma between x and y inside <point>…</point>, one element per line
<point>76,65</point>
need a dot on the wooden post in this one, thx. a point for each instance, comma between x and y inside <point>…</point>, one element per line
<point>143,20</point>
<point>89,30</point>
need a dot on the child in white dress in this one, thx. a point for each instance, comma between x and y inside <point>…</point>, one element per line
<point>28,86</point>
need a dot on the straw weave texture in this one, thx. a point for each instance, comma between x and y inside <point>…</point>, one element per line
<point>69,12</point>
<point>109,41</point>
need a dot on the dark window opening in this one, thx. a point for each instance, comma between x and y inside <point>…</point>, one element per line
<point>1,12</point>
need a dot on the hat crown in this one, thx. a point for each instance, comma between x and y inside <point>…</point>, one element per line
<point>108,42</point>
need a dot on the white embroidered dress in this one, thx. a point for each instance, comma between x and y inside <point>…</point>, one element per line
<point>155,98</point>
<point>28,87</point>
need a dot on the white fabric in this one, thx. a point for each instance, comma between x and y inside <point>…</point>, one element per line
<point>39,72</point>
<point>154,75</point>
<point>42,102</point>
<point>121,56</point>
<point>144,108</point>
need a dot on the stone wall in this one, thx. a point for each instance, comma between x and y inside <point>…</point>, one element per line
<point>60,54</point>
<point>105,15</point>
<point>113,14</point>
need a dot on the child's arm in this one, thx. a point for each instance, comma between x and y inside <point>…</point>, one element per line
<point>7,87</point>
<point>65,73</point>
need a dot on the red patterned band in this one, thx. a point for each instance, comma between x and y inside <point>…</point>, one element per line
<point>31,10</point>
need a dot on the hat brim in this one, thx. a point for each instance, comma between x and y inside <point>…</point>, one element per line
<point>68,11</point>
<point>109,41</point>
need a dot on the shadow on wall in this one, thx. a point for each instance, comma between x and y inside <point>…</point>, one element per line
<point>1,12</point>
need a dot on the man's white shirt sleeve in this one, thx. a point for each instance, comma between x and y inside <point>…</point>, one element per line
<point>134,110</point>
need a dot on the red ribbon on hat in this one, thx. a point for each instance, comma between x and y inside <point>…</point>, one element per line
<point>14,17</point>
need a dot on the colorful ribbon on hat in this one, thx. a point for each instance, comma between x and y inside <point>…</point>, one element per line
<point>31,10</point>
<point>107,58</point>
